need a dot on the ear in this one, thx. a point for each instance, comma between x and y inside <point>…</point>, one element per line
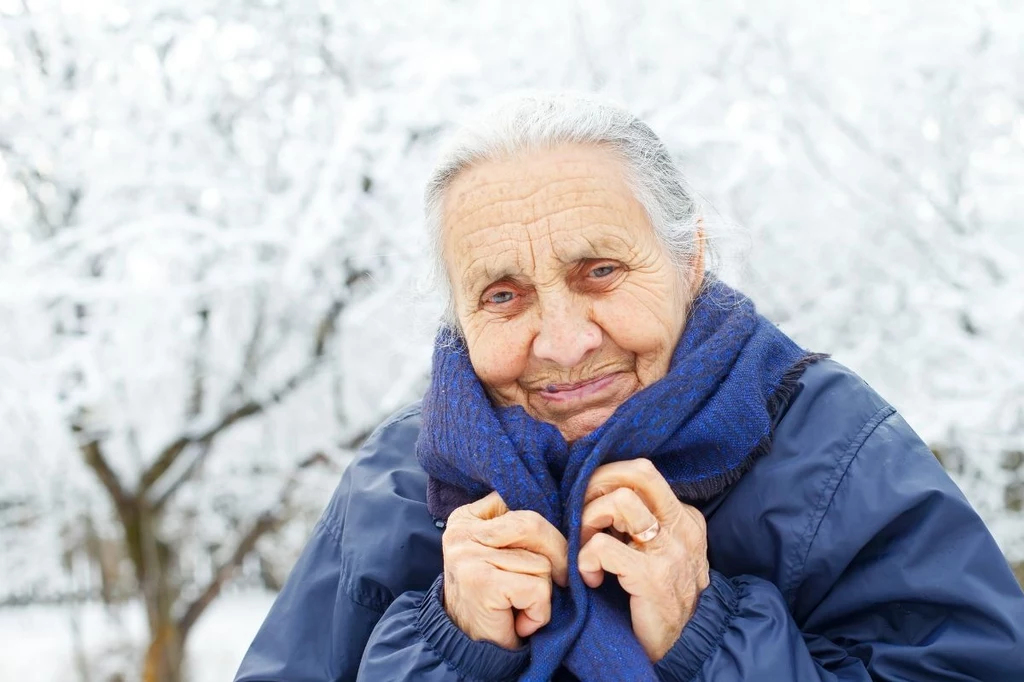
<point>697,261</point>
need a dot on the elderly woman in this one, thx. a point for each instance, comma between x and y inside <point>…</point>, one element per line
<point>621,471</point>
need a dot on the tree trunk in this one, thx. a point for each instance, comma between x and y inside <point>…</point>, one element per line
<point>155,571</point>
<point>164,656</point>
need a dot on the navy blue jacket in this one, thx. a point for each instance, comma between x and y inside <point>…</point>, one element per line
<point>846,553</point>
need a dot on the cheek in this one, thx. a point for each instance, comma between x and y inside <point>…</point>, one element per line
<point>640,322</point>
<point>499,351</point>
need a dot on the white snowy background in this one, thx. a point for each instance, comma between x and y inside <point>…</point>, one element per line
<point>210,240</point>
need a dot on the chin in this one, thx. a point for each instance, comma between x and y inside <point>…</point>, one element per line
<point>579,426</point>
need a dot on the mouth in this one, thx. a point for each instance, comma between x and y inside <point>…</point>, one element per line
<point>563,393</point>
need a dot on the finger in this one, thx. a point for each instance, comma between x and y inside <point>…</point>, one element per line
<point>526,530</point>
<point>532,597</point>
<point>639,475</point>
<point>514,560</point>
<point>488,507</point>
<point>623,510</point>
<point>606,554</point>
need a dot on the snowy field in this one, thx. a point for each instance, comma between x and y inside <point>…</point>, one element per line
<point>41,643</point>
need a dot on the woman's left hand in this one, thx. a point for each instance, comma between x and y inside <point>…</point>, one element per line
<point>657,546</point>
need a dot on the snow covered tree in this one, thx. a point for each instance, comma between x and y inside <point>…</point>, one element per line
<point>193,212</point>
<point>209,224</point>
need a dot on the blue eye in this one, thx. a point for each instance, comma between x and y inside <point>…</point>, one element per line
<point>502,297</point>
<point>603,271</point>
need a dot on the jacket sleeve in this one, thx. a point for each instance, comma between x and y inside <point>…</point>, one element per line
<point>364,598</point>
<point>902,581</point>
<point>416,640</point>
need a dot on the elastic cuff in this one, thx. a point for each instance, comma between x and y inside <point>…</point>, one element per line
<point>716,607</point>
<point>472,659</point>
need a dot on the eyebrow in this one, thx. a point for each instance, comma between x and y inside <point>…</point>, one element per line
<point>605,247</point>
<point>483,273</point>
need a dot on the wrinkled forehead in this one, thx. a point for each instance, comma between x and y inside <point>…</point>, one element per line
<point>565,204</point>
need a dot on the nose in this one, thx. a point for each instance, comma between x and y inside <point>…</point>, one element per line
<point>566,332</point>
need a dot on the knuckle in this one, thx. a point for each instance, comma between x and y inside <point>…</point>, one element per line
<point>597,488</point>
<point>636,503</point>
<point>532,521</point>
<point>448,543</point>
<point>698,524</point>
<point>600,542</point>
<point>537,589</point>
<point>519,526</point>
<point>454,538</point>
<point>460,516</point>
<point>621,495</point>
<point>645,466</point>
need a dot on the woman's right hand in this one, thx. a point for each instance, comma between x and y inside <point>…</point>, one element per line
<point>498,569</point>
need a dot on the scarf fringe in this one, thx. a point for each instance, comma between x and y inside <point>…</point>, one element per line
<point>697,492</point>
<point>779,399</point>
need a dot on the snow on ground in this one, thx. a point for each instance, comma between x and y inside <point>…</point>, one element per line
<point>45,648</point>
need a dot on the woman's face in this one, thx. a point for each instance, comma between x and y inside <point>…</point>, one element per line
<point>568,302</point>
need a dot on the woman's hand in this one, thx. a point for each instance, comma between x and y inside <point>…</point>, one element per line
<point>657,547</point>
<point>498,568</point>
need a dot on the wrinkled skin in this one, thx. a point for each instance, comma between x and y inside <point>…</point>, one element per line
<point>558,278</point>
<point>569,305</point>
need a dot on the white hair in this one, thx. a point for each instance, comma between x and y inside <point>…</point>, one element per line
<point>528,123</point>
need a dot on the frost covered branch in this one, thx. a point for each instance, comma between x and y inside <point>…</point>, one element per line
<point>170,454</point>
<point>268,521</point>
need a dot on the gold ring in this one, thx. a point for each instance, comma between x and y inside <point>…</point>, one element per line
<point>648,535</point>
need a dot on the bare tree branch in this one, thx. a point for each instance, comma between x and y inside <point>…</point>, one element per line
<point>332,64</point>
<point>170,454</point>
<point>267,522</point>
<point>35,44</point>
<point>173,451</point>
<point>326,328</point>
<point>250,356</point>
<point>92,453</point>
<point>201,451</point>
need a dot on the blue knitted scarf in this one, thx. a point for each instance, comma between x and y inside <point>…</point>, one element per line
<point>702,425</point>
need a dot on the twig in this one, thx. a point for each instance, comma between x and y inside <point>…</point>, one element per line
<point>268,521</point>
<point>197,395</point>
<point>173,451</point>
<point>170,454</point>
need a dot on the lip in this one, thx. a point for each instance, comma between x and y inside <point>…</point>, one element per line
<point>585,389</point>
